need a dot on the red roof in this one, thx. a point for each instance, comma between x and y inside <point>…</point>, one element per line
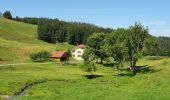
<point>57,54</point>
<point>79,46</point>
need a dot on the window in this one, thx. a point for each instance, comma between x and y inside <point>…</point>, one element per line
<point>79,52</point>
<point>79,55</point>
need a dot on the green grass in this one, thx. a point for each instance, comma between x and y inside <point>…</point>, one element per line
<point>69,84</point>
<point>18,40</point>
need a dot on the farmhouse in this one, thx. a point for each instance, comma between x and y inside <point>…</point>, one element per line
<point>77,52</point>
<point>59,56</point>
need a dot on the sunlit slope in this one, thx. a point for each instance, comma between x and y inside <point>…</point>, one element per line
<point>18,40</point>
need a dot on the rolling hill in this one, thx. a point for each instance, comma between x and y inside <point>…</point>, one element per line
<point>18,40</point>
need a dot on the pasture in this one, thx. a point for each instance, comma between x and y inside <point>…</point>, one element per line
<point>67,82</point>
<point>19,40</point>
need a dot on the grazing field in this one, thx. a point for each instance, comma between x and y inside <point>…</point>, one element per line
<point>68,83</point>
<point>18,40</point>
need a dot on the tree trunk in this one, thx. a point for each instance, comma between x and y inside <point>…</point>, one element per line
<point>117,66</point>
<point>132,66</point>
<point>101,60</point>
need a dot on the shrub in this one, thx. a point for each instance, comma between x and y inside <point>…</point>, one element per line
<point>69,52</point>
<point>89,67</point>
<point>7,14</point>
<point>40,56</point>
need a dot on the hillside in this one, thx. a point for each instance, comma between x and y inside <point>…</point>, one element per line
<point>18,40</point>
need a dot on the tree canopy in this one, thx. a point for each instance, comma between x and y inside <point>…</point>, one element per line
<point>7,14</point>
<point>164,46</point>
<point>96,41</point>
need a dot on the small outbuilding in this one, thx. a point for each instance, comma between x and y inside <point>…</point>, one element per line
<point>59,56</point>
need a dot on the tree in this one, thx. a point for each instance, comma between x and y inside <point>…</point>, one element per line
<point>89,65</point>
<point>136,37</point>
<point>164,46</point>
<point>95,41</point>
<point>7,14</point>
<point>88,55</point>
<point>151,46</point>
<point>54,30</point>
<point>46,31</point>
<point>115,46</point>
<point>69,52</point>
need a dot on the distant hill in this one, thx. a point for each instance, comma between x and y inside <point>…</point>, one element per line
<point>18,40</point>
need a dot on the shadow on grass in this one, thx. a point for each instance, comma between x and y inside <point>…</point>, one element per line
<point>108,64</point>
<point>146,69</point>
<point>92,76</point>
<point>123,74</point>
<point>138,69</point>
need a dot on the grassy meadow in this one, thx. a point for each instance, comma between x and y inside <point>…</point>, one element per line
<point>68,82</point>
<point>18,40</point>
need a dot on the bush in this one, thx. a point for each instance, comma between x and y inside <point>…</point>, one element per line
<point>7,14</point>
<point>69,52</point>
<point>89,67</point>
<point>40,56</point>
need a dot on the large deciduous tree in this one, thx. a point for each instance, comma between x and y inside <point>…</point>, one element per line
<point>115,46</point>
<point>95,41</point>
<point>136,37</point>
<point>126,45</point>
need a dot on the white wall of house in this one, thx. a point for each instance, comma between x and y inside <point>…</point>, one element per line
<point>77,54</point>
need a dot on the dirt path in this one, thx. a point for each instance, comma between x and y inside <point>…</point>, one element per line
<point>14,64</point>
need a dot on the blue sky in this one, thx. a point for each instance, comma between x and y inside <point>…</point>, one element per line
<point>106,13</point>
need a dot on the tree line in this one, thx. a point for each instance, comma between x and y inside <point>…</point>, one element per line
<point>164,46</point>
<point>54,30</point>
